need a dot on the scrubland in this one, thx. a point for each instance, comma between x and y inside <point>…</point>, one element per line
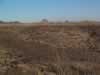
<point>58,49</point>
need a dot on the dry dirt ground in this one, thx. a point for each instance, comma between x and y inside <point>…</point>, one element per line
<point>50,50</point>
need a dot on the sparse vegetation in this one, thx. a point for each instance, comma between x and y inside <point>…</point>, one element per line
<point>50,50</point>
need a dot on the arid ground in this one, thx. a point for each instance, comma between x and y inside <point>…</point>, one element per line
<point>45,49</point>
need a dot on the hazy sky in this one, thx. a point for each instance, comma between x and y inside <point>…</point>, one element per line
<point>35,10</point>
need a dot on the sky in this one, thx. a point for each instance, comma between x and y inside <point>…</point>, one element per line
<point>53,10</point>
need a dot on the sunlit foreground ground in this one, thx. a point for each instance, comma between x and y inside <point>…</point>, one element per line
<point>45,49</point>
